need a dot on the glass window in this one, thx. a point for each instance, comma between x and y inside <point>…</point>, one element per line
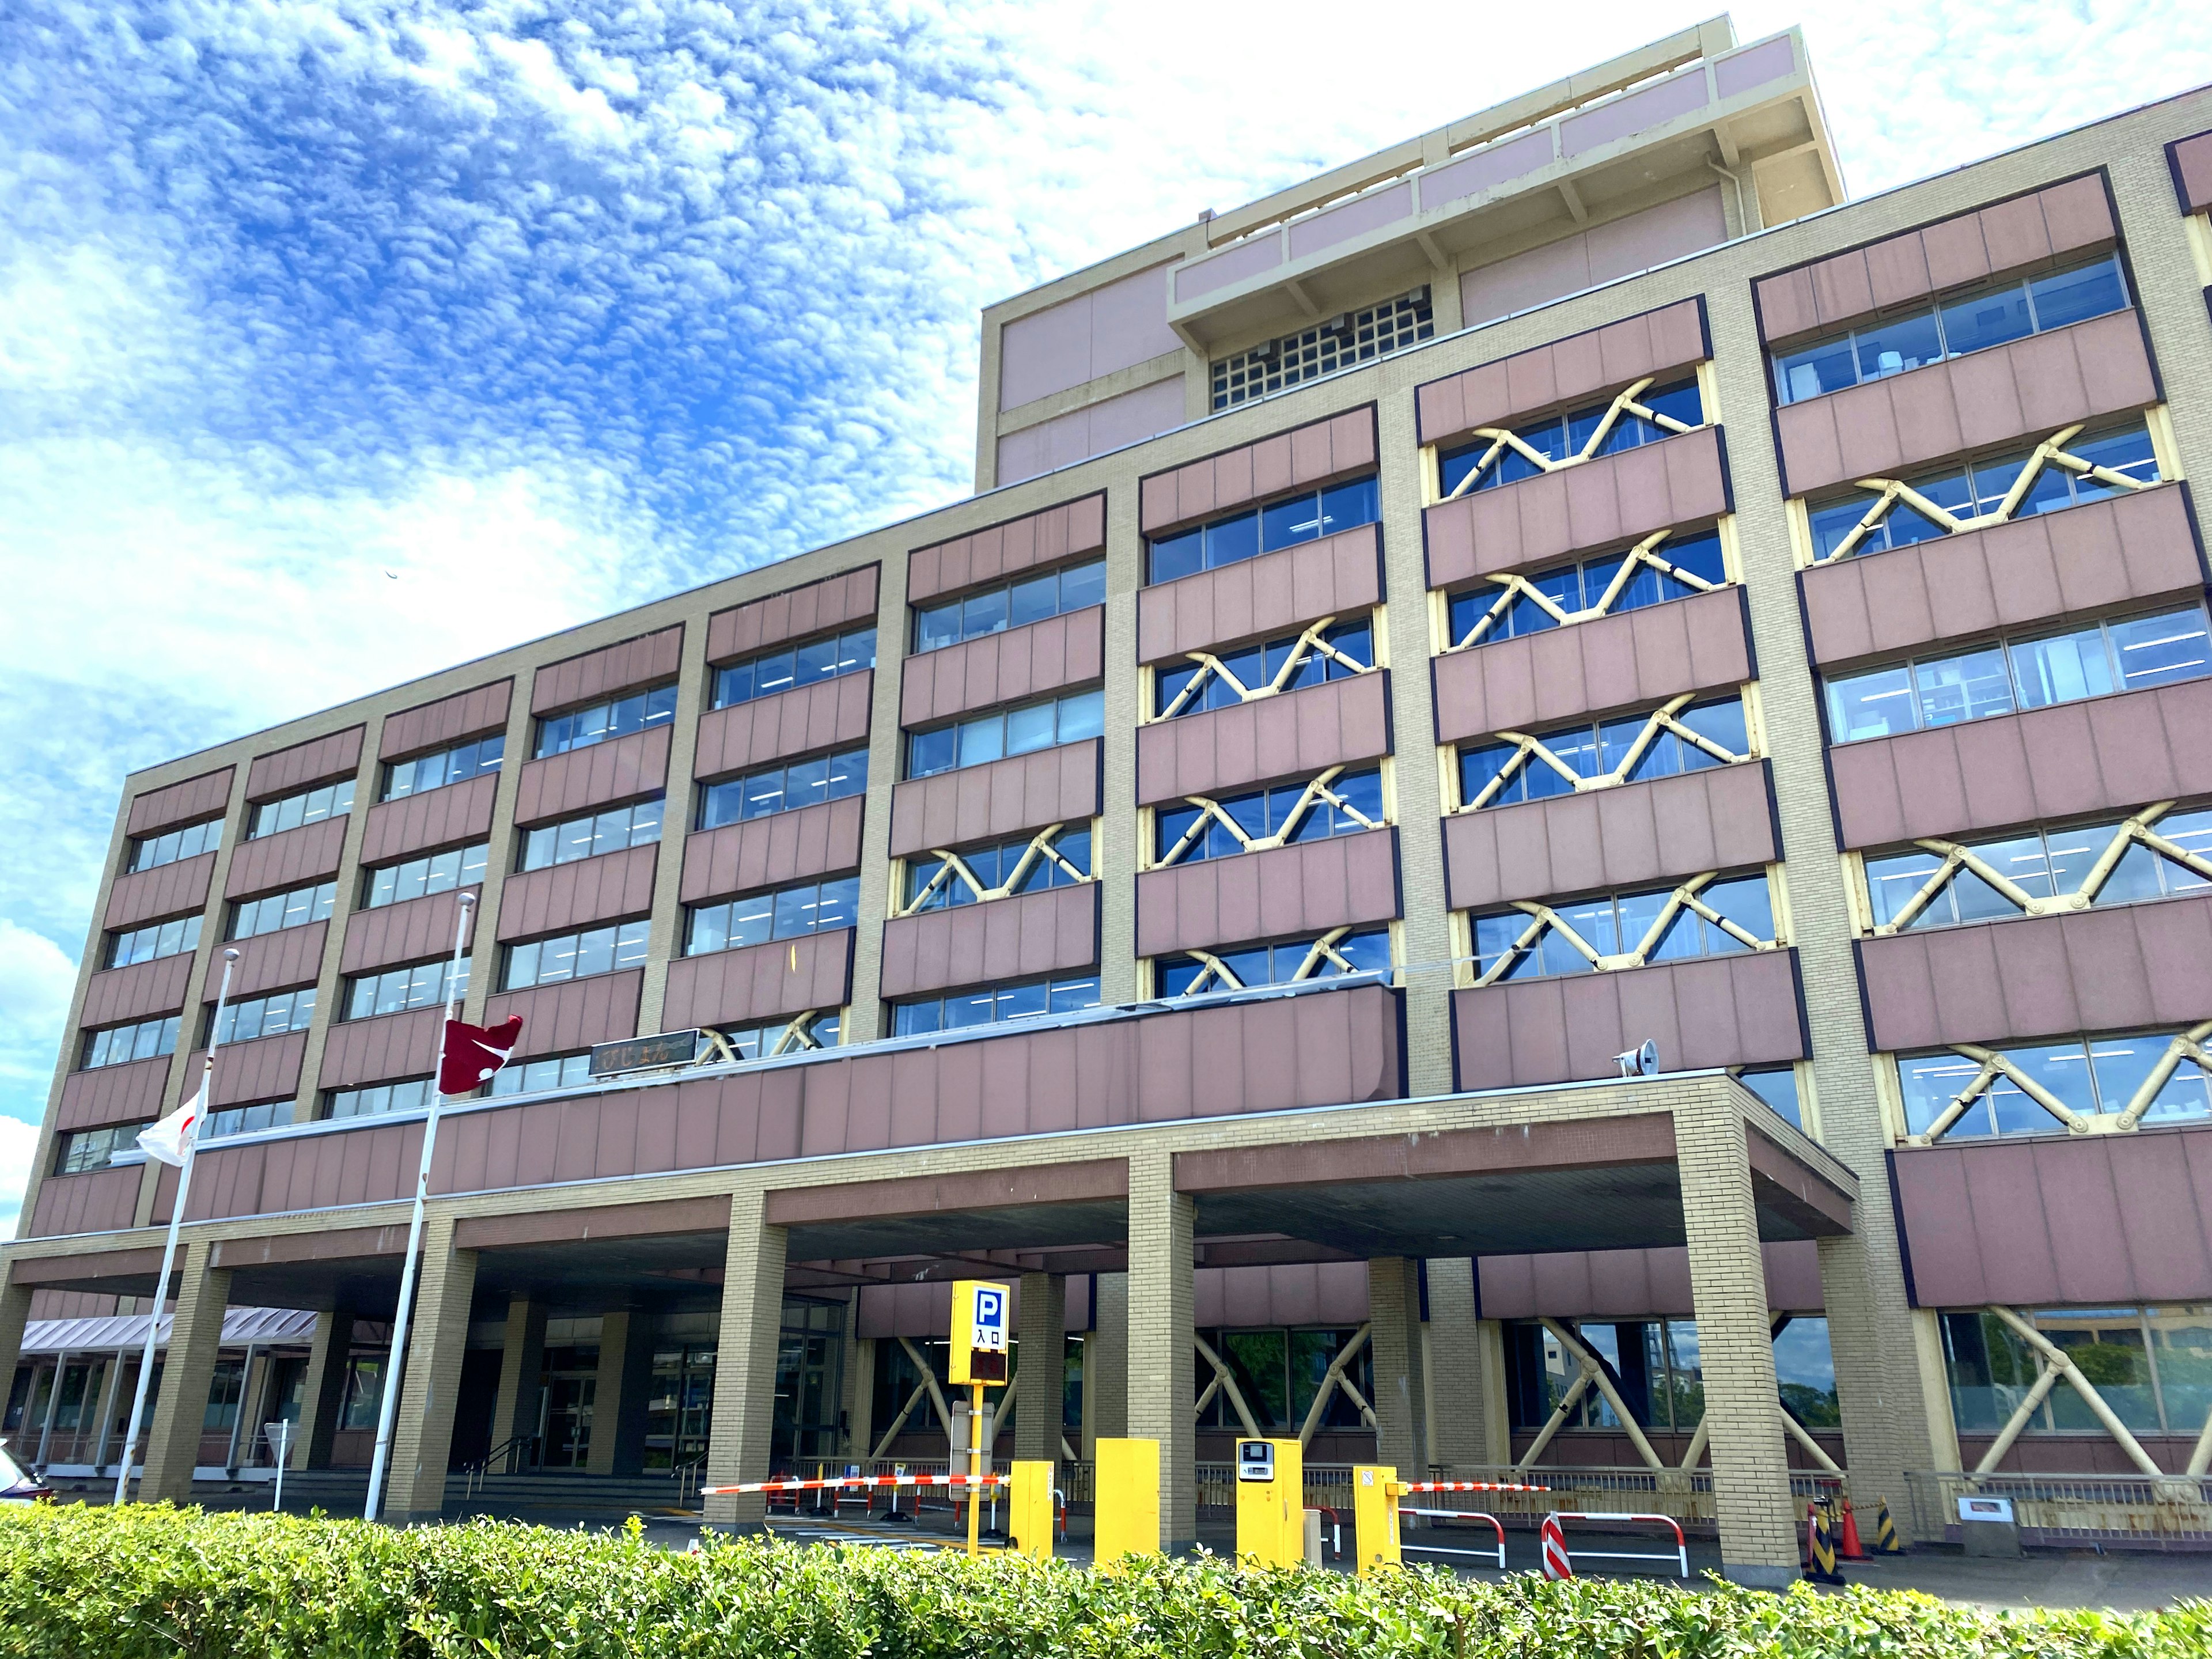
<point>1558,437</point>
<point>790,666</point>
<point>151,852</point>
<point>530,1076</point>
<point>439,872</point>
<point>810,907</point>
<point>985,737</point>
<point>248,1119</point>
<point>251,917</point>
<point>1305,517</point>
<point>2086,1076</point>
<point>993,1005</point>
<point>1341,342</point>
<point>995,866</point>
<point>332,800</point>
<point>425,985</point>
<point>167,939</point>
<point>1966,323</point>
<point>1284,810</point>
<point>408,1095</point>
<point>577,956</point>
<point>119,1045</point>
<point>1593,752</point>
<point>1257,965</point>
<point>261,1017</point>
<point>1353,644</point>
<point>1585,587</point>
<point>435,771</point>
<point>604,721</point>
<point>1011,605</point>
<point>90,1149</point>
<point>1777,1085</point>
<point>784,788</point>
<point>607,831</point>
<point>1613,925</point>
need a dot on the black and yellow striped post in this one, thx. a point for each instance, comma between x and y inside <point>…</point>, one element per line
<point>1820,1537</point>
<point>1885,1532</point>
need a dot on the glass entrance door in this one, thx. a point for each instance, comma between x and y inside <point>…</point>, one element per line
<point>680,1408</point>
<point>809,1384</point>
<point>564,1427</point>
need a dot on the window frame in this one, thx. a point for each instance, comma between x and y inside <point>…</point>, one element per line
<point>856,761</point>
<point>647,696</point>
<point>959,602</point>
<point>1003,714</point>
<point>793,648</point>
<point>347,787</point>
<point>391,769</point>
<point>1257,512</point>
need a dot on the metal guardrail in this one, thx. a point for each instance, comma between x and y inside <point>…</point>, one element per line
<point>2126,1511</point>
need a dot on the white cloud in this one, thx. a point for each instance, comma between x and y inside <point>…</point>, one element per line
<point>18,1144</point>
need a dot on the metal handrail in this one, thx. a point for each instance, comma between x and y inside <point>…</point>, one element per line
<point>480,1470</point>
<point>688,1478</point>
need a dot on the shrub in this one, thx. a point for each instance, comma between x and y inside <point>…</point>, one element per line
<point>143,1582</point>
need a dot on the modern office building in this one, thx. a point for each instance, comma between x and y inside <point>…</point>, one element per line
<point>1569,581</point>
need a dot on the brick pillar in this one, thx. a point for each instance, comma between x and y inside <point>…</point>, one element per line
<point>1394,1314</point>
<point>14,1314</point>
<point>187,1376</point>
<point>438,1338</point>
<point>744,1366</point>
<point>1736,1350</point>
<point>1161,1355</point>
<point>618,1399</point>
<point>1043,1371</point>
<point>1875,1452</point>
<point>1106,1365</point>
<point>521,1371</point>
<point>1457,1406</point>
<point>322,1393</point>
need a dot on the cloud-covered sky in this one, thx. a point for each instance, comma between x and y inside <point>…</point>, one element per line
<point>334,332</point>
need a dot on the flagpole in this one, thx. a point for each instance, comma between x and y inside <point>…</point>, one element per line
<point>389,1407</point>
<point>169,1250</point>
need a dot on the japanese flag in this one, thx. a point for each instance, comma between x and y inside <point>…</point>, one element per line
<point>473,1053</point>
<point>171,1141</point>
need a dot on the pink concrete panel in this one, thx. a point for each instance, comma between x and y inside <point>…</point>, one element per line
<point>1636,659</point>
<point>1681,481</point>
<point>266,1068</point>
<point>2004,238</point>
<point>288,858</point>
<point>1111,423</point>
<point>608,672</point>
<point>1716,1011</point>
<point>436,818</point>
<point>304,765</point>
<point>1636,1283</point>
<point>837,602</point>
<point>1115,327</point>
<point>415,930</point>
<point>1295,734</point>
<point>1005,667</point>
<point>588,891</point>
<point>1630,837</point>
<point>561,1018</point>
<point>2112,753</point>
<point>120,995</point>
<point>202,797</point>
<point>1486,169</point>
<point>742,858</point>
<point>827,715</point>
<point>2126,967</point>
<point>2084,559</point>
<point>449,721</point>
<point>1295,1293</point>
<point>1661,344</point>
<point>1348,220</point>
<point>1278,592</point>
<point>1005,798</point>
<point>760,982</point>
<point>379,1050</point>
<point>1754,66</point>
<point>1635,112</point>
<point>1023,937</point>
<point>2098,1219</point>
<point>286,959</point>
<point>1302,890</point>
<point>2028,389</point>
<point>1336,448</point>
<point>167,889</point>
<point>2191,160</point>
<point>99,1201</point>
<point>1233,263</point>
<point>113,1094</point>
<point>1638,241</point>
<point>1059,533</point>
<point>623,769</point>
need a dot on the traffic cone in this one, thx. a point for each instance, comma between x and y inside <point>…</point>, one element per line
<point>1885,1531</point>
<point>1822,1546</point>
<point>1553,1539</point>
<point>1848,1548</point>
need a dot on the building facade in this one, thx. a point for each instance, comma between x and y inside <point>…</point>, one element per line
<point>1567,582</point>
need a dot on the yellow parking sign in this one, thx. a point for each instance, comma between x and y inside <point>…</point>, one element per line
<point>980,1320</point>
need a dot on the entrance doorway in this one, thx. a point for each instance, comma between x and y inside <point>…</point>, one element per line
<point>564,1425</point>
<point>809,1384</point>
<point>681,1406</point>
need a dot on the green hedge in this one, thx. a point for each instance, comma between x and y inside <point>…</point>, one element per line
<point>181,1584</point>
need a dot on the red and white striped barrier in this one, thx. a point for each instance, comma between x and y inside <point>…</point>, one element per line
<point>1499,1554</point>
<point>1461,1486</point>
<point>1553,1539</point>
<point>1553,1529</point>
<point>858,1482</point>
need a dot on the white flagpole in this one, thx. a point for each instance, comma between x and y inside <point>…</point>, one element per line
<point>169,1250</point>
<point>389,1408</point>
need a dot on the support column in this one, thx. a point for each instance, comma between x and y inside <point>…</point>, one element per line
<point>521,1372</point>
<point>187,1375</point>
<point>1735,1349</point>
<point>422,1433</point>
<point>1162,1363</point>
<point>1875,1452</point>
<point>1394,1314</point>
<point>744,1368</point>
<point>1106,1365</point>
<point>1044,1373</point>
<point>14,1314</point>
<point>1457,1406</point>
<point>110,1402</point>
<point>322,1392</point>
<point>618,1399</point>
<point>859,1402</point>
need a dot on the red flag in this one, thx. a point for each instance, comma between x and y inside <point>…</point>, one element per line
<point>473,1053</point>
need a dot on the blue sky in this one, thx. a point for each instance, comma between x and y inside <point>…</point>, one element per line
<point>341,341</point>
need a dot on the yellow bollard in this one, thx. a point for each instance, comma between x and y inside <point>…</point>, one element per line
<point>1375,1512</point>
<point>1028,1510</point>
<point>1126,1482</point>
<point>1271,1502</point>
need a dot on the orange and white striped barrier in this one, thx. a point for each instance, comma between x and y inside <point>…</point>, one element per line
<point>1400,1486</point>
<point>1553,1539</point>
<point>858,1482</point>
